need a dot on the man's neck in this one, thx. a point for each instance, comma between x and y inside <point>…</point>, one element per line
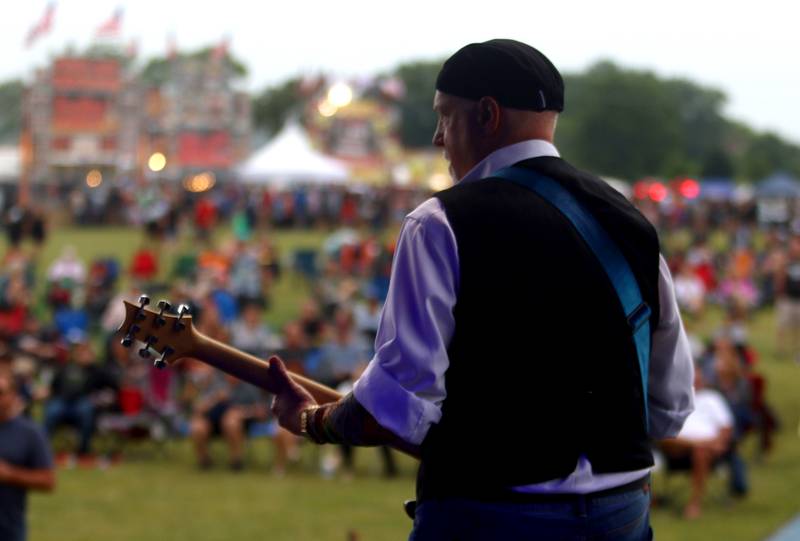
<point>508,155</point>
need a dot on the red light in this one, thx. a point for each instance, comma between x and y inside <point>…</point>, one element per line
<point>641,189</point>
<point>657,192</point>
<point>689,188</point>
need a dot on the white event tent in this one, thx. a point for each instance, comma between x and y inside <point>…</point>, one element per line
<point>289,158</point>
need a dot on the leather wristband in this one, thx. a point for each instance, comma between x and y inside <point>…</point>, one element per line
<point>306,418</point>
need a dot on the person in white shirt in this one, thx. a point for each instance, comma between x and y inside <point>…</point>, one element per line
<point>705,437</point>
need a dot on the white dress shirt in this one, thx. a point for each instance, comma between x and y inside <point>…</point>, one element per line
<point>404,385</point>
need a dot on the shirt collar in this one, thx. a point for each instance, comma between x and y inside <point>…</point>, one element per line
<point>509,155</point>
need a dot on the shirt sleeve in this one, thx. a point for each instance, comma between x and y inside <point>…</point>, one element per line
<point>671,375</point>
<point>403,385</point>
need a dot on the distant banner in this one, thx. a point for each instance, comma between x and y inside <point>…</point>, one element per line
<point>42,27</point>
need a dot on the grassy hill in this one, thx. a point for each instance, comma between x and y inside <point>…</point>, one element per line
<point>153,496</point>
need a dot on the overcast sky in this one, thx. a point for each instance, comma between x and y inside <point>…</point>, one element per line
<point>749,50</point>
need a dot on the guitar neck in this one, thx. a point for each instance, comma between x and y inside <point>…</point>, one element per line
<point>252,369</point>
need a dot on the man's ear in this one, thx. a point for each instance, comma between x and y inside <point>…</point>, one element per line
<point>488,114</point>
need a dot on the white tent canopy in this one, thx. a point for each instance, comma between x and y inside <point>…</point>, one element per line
<point>10,164</point>
<point>290,158</point>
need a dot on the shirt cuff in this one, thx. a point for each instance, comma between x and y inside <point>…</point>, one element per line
<point>394,407</point>
<point>667,424</point>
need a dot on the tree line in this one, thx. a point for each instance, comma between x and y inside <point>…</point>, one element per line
<point>619,122</point>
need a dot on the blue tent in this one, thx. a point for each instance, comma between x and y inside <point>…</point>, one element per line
<point>717,189</point>
<point>778,186</point>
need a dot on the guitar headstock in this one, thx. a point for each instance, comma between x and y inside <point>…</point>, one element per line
<point>167,337</point>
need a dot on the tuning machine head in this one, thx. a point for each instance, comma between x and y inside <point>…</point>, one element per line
<point>183,309</point>
<point>145,351</point>
<point>164,306</point>
<point>129,337</point>
<point>144,300</point>
<point>161,362</point>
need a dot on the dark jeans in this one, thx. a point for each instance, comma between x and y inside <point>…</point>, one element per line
<point>79,413</point>
<point>622,517</point>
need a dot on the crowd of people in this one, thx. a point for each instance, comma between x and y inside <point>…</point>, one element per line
<point>722,258</point>
<point>57,323</point>
<point>57,327</point>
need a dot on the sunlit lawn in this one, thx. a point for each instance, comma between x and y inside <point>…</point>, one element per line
<point>154,497</point>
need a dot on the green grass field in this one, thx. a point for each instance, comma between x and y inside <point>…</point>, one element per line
<point>162,497</point>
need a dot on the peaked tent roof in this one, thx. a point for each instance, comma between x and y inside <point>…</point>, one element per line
<point>290,158</point>
<point>777,186</point>
<point>10,163</point>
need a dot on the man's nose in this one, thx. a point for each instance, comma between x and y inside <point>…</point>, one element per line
<point>438,140</point>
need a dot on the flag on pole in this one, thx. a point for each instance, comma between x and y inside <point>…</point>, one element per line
<point>133,48</point>
<point>43,26</point>
<point>112,27</point>
<point>172,47</point>
<point>221,50</point>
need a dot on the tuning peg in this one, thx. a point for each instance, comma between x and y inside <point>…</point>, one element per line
<point>129,336</point>
<point>164,306</point>
<point>183,309</point>
<point>161,362</point>
<point>145,351</point>
<point>144,300</point>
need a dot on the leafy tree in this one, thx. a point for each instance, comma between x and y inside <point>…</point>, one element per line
<point>621,123</point>
<point>275,105</point>
<point>417,120</point>
<point>766,154</point>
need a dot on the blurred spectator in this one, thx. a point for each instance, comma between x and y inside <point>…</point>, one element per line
<point>295,351</point>
<point>344,355</point>
<point>205,217</point>
<point>690,291</point>
<point>772,258</point>
<point>250,334</point>
<point>15,307</point>
<point>703,440</point>
<point>78,389</point>
<point>728,377</point>
<point>209,321</point>
<point>206,393</point>
<point>25,461</point>
<point>67,269</point>
<point>737,285</point>
<point>144,265</point>
<point>342,359</point>
<point>312,322</point>
<point>787,293</point>
<point>367,315</point>
<point>246,276</point>
<point>226,406</point>
<point>244,405</point>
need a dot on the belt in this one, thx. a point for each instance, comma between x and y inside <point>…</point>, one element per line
<point>510,496</point>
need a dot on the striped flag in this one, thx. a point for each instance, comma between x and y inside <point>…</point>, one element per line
<point>112,27</point>
<point>132,49</point>
<point>43,26</point>
<point>221,50</point>
<point>172,47</point>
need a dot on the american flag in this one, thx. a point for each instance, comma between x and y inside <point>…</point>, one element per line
<point>43,26</point>
<point>111,27</point>
<point>172,47</point>
<point>220,51</point>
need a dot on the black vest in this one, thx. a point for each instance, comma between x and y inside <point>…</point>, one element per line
<point>543,367</point>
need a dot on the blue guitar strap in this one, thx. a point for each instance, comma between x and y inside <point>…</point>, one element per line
<point>608,254</point>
